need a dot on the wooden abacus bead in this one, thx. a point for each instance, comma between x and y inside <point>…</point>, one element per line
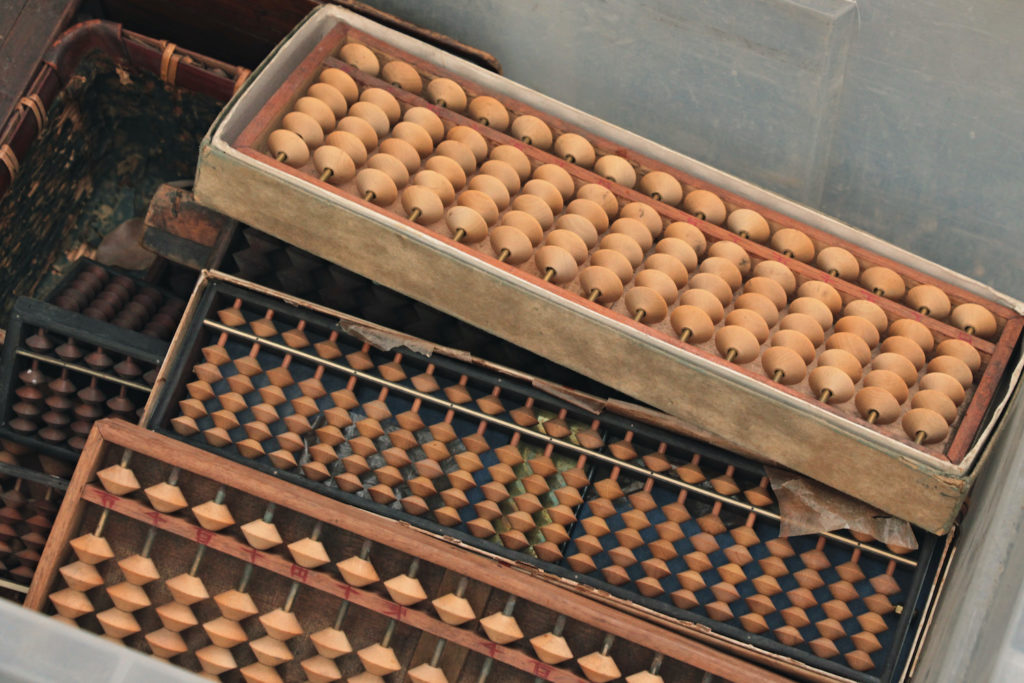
<point>796,341</point>
<point>723,268</point>
<point>332,97</point>
<point>838,262</point>
<point>906,347</point>
<point>472,139</point>
<point>646,305</point>
<point>527,224</point>
<point>852,344</point>
<point>930,300</point>
<point>579,225</point>
<point>481,203</point>
<point>925,426</point>
<point>459,152</point>
<point>680,249</point>
<point>749,224</point>
<point>744,317</point>
<point>805,325</point>
<point>842,359</point>
<point>876,405</point>
<point>937,401</point>
<point>503,171</point>
<point>318,110</point>
<point>773,270</point>
<point>958,348</point>
<point>635,229</point>
<point>905,327</point>
<point>784,365</point>
<point>661,186</point>
<point>287,147</point>
<point>492,187</point>
<point>404,152</point>
<point>732,252</point>
<point>947,384</point>
<point>445,92</point>
<point>692,324</point>
<point>954,367</point>
<point>532,131</point>
<point>737,344</point>
<point>860,327</point>
<point>714,284</point>
<point>546,191</point>
<point>361,57</point>
<point>340,80</point>
<point>888,380</point>
<point>333,165</point>
<point>390,165</point>
<point>883,282</point>
<point>793,244</point>
<point>760,304</point>
<point>815,308</point>
<point>349,144</point>
<point>898,364</point>
<point>600,284</point>
<point>385,100</point>
<point>688,233</point>
<point>376,186</point>
<point>831,385</point>
<point>436,182</point>
<point>768,288</point>
<point>360,128</point>
<point>575,149</point>
<point>670,266</point>
<point>974,319</point>
<point>705,301</point>
<point>616,169</point>
<point>870,311</point>
<point>559,177</point>
<point>489,111</point>
<point>466,225</point>
<point>402,75</point>
<point>447,167</point>
<point>515,158</point>
<point>614,261</point>
<point>422,204</point>
<point>373,115</point>
<point>555,264</point>
<point>705,205</point>
<point>659,282</point>
<point>571,242</point>
<point>536,207</point>
<point>416,135</point>
<point>625,245</point>
<point>602,196</point>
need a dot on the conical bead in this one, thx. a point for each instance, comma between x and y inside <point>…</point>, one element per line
<point>453,610</point>
<point>331,643</point>
<point>92,549</point>
<point>138,569</point>
<point>176,616</point>
<point>187,589</point>
<point>260,673</point>
<point>213,516</point>
<point>235,605</point>
<point>379,660</point>
<point>405,590</point>
<point>166,498</point>
<point>501,628</point>
<point>215,660</point>
<point>128,596</point>
<point>308,553</point>
<point>551,649</point>
<point>270,651</point>
<point>281,625</point>
<point>599,668</point>
<point>320,669</point>
<point>118,479</point>
<point>81,576</point>
<point>357,572</point>
<point>71,603</point>
<point>225,632</point>
<point>261,535</point>
<point>165,643</point>
<point>117,623</point>
<point>424,673</point>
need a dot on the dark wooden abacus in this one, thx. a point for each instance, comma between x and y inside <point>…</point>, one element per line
<point>61,371</point>
<point>229,571</point>
<point>673,529</point>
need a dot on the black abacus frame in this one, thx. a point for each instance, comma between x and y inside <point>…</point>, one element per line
<point>175,375</point>
<point>30,314</point>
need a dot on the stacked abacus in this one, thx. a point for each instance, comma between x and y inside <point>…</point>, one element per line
<point>63,372</point>
<point>30,501</point>
<point>221,569</point>
<point>512,470</point>
<point>784,303</point>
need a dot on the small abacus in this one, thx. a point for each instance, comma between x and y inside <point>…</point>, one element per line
<point>616,239</point>
<point>638,513</point>
<point>227,571</point>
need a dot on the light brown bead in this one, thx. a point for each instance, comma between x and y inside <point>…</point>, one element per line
<point>492,187</point>
<point>860,327</point>
<point>877,400</point>
<point>459,152</point>
<point>373,115</point>
<point>445,92</point>
<point>546,191</point>
<point>604,281</point>
<point>616,169</point>
<point>732,252</point>
<point>536,207</point>
<point>447,167</point>
<point>936,401</point>
<point>635,229</point>
<point>796,341</point>
<point>842,359</point>
<point>851,343</point>
<point>481,203</point>
<point>884,282</point>
<point>768,288</point>
<point>773,270</point>
<point>361,129</point>
<point>954,367</point>
<point>404,152</point>
<point>898,364</point>
<point>472,139</point>
<point>532,131</point>
<point>724,268</point>
<point>646,305</point>
<point>646,215</point>
<point>416,135</point>
<point>804,324</point>
<point>625,245</point>
<point>555,263</point>
<point>385,100</point>
<point>288,144</point>
<point>590,210</point>
<point>305,126</point>
<point>947,384</point>
<point>489,111</point>
<point>744,317</point>
<point>571,242</point>
<point>340,80</point>
<point>749,224</point>
<point>579,225</point>
<point>663,285</point>
<point>504,172</point>
<point>924,425</point>
<point>783,365</point>
<point>402,75</point>
<point>930,300</point>
<point>870,311</point>
<point>832,379</point>
<point>794,244</point>
<point>888,380</point>
<point>905,327</point>
<point>332,97</point>
<point>378,184</point>
<point>814,308</point>
<point>615,262</point>
<point>689,233</point>
<point>824,292</point>
<point>424,201</point>
<point>441,186</point>
<point>705,205</point>
<point>958,348</point>
<point>670,266</point>
<point>390,165</point>
<point>510,239</point>
<point>737,342</point>
<point>349,144</point>
<point>839,262</point>
<point>693,319</point>
<point>361,57</point>
<point>714,284</point>
<point>661,186</point>
<point>318,110</point>
<point>906,347</point>
<point>705,301</point>
<point>575,149</point>
<point>974,319</point>
<point>679,249</point>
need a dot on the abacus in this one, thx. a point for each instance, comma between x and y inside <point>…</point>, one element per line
<point>550,236</point>
<point>674,530</point>
<point>63,371</point>
<point>230,572</point>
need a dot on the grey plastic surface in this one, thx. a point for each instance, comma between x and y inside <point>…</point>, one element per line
<point>903,119</point>
<point>38,649</point>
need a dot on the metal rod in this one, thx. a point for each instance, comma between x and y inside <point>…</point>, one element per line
<point>83,369</point>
